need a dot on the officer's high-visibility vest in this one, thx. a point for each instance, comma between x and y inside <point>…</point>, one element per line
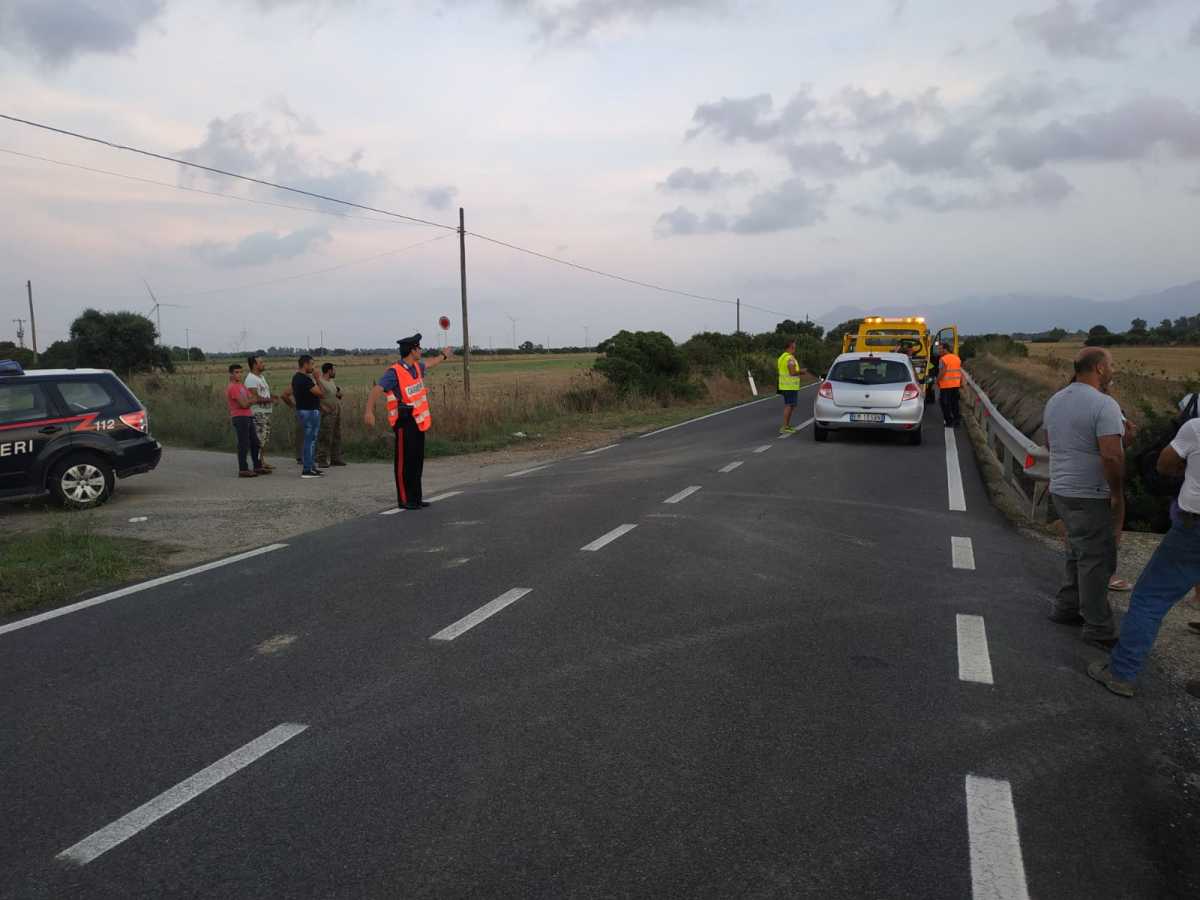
<point>788,381</point>
<point>415,395</point>
<point>951,374</point>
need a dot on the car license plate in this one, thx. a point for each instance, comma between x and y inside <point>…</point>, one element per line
<point>866,417</point>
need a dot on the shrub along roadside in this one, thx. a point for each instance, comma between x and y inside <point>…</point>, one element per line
<point>57,564</point>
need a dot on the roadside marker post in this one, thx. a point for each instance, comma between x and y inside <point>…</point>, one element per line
<point>753,386</point>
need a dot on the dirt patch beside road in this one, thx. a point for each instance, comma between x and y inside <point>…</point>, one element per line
<point>195,507</point>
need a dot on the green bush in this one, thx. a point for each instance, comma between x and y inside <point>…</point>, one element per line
<point>646,362</point>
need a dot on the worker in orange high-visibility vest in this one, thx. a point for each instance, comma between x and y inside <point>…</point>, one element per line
<point>408,416</point>
<point>950,378</point>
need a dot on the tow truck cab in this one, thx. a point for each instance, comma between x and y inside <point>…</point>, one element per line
<point>901,334</point>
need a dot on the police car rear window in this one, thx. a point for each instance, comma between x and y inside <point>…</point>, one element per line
<point>84,396</point>
<point>21,403</point>
<point>870,371</point>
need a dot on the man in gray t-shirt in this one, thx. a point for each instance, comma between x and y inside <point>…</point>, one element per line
<point>1084,430</point>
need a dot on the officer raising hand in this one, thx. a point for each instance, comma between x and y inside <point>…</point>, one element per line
<point>408,416</point>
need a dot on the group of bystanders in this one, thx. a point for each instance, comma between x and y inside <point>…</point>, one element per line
<point>1087,435</point>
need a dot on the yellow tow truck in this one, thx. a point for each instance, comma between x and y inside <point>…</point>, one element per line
<point>901,334</point>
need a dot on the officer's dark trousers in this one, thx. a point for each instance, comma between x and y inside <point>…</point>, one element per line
<point>410,461</point>
<point>949,402</point>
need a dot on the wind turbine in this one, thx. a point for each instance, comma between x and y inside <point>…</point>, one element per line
<point>156,310</point>
<point>514,325</point>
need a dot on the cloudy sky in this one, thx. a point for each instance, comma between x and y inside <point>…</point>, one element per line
<point>799,155</point>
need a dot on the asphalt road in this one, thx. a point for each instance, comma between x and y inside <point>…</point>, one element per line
<point>756,691</point>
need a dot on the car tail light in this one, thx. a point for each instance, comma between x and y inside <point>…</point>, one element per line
<point>911,392</point>
<point>826,390</point>
<point>138,420</point>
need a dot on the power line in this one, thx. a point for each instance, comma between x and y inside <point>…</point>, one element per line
<point>634,281</point>
<point>194,190</point>
<point>282,187</point>
<point>347,264</point>
<point>215,171</point>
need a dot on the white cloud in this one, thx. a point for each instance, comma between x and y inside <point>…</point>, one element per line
<point>58,31</point>
<point>1126,132</point>
<point>1066,31</point>
<point>752,119</point>
<point>262,247</point>
<point>703,182</point>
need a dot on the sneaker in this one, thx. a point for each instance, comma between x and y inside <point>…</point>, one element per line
<point>246,473</point>
<point>308,473</point>
<point>790,429</point>
<point>318,472</point>
<point>262,470</point>
<point>1099,671</point>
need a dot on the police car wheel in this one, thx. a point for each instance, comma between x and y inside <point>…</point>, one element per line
<point>82,482</point>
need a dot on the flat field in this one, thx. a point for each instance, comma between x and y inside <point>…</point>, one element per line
<point>1171,363</point>
<point>488,373</point>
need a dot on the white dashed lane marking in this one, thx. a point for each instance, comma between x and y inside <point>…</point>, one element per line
<point>974,662</point>
<point>606,539</point>
<point>133,589</point>
<point>958,499</point>
<point>527,471</point>
<point>730,467</point>
<point>469,621</point>
<point>997,869</point>
<point>683,495</point>
<point>962,553</point>
<point>763,449</point>
<point>170,800</point>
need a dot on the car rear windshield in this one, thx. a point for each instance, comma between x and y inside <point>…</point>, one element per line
<point>870,371</point>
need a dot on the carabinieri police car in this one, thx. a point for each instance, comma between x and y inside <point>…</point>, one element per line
<point>71,432</point>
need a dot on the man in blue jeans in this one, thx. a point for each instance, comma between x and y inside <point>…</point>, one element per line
<point>1172,572</point>
<point>306,393</point>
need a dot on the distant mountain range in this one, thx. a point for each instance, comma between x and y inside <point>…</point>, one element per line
<point>1006,313</point>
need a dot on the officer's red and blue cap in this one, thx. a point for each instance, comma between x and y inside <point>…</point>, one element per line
<point>408,343</point>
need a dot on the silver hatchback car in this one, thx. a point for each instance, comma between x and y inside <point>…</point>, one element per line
<point>870,390</point>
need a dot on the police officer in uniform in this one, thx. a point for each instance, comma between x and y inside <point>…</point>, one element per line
<point>408,415</point>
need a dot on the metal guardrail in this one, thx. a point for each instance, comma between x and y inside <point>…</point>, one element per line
<point>1026,464</point>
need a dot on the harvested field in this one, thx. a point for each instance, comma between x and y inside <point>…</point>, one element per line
<point>1170,363</point>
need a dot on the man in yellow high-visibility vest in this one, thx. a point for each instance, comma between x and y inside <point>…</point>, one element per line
<point>789,384</point>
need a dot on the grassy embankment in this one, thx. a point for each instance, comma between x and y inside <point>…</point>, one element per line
<point>56,564</point>
<point>552,397</point>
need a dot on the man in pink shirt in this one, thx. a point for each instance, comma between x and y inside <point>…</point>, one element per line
<point>239,401</point>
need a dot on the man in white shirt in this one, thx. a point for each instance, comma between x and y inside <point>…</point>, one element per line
<point>1168,577</point>
<point>260,391</point>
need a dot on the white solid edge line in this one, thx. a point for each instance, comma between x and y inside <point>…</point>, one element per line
<point>446,496</point>
<point>135,588</point>
<point>469,621</point>
<point>763,449</point>
<point>974,663</point>
<point>606,539</point>
<point>799,428</point>
<point>684,494</point>
<point>997,869</point>
<point>958,500</point>
<point>962,553</point>
<point>598,450</point>
<point>527,471</point>
<point>730,467</point>
<point>719,412</point>
<point>171,799</point>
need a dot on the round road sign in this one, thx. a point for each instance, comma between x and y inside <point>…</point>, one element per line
<point>444,323</point>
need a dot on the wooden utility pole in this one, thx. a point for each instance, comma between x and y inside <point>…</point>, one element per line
<point>462,274</point>
<point>32,321</point>
<point>739,315</point>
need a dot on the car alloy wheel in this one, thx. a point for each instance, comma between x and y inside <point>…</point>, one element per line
<point>83,483</point>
